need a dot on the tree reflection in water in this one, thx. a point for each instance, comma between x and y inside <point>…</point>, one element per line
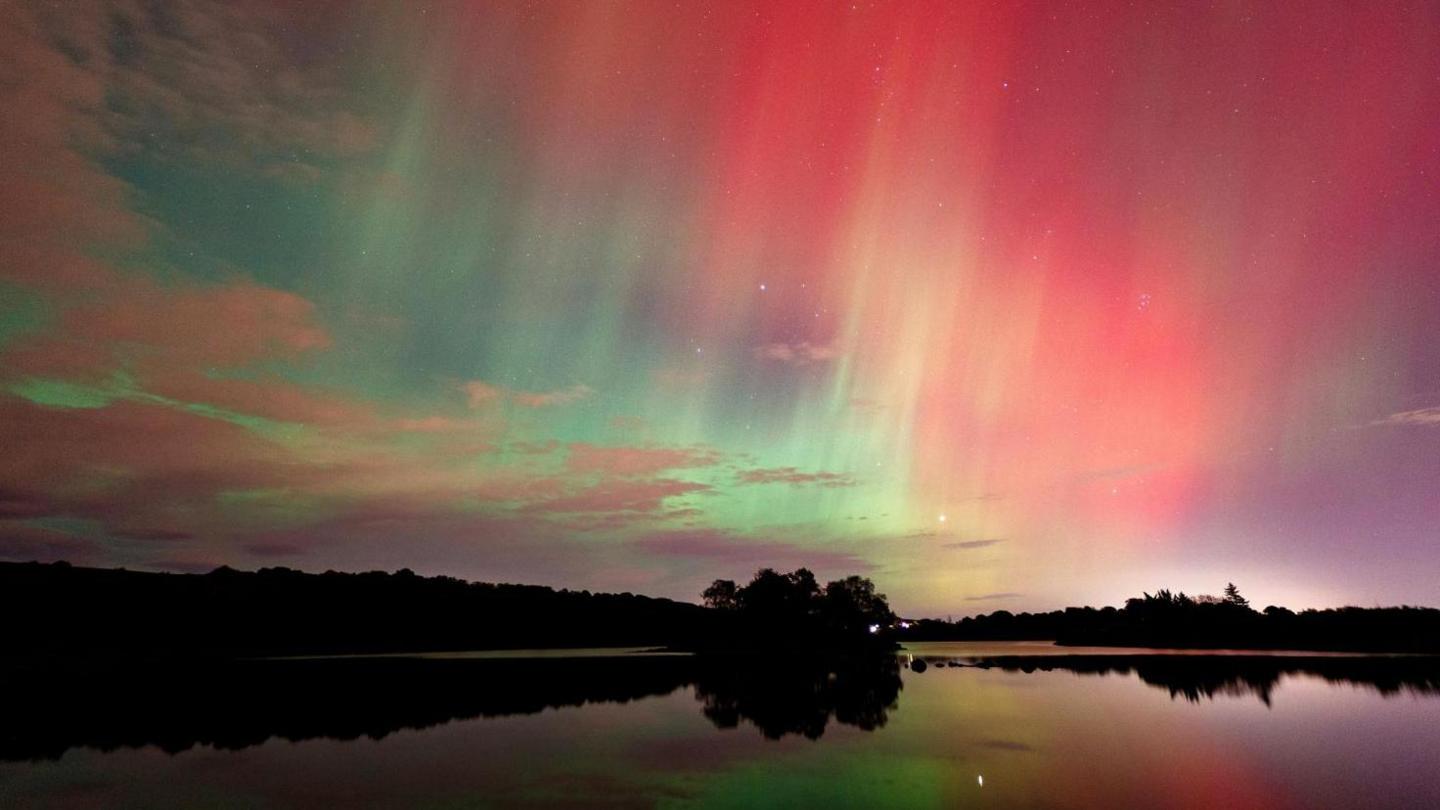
<point>1194,677</point>
<point>799,696</point>
<point>240,704</point>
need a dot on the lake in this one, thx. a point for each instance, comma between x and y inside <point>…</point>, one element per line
<point>982,725</point>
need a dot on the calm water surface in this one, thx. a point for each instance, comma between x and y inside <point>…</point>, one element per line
<point>1093,730</point>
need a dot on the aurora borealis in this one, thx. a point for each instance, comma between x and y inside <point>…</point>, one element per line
<point>999,304</point>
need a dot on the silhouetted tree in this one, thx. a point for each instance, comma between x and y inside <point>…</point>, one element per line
<point>1173,619</point>
<point>722,594</point>
<point>1232,596</point>
<point>73,611</point>
<point>778,610</point>
<point>851,605</point>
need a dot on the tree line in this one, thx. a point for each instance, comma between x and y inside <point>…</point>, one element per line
<point>63,610</point>
<point>1173,619</point>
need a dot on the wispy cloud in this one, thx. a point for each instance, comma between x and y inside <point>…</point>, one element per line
<point>545,399</point>
<point>962,545</point>
<point>1420,417</point>
<point>25,542</point>
<point>479,394</point>
<point>620,495</point>
<point>989,597</point>
<point>956,543</point>
<point>802,353</point>
<point>794,477</point>
<point>635,461</point>
<point>221,82</point>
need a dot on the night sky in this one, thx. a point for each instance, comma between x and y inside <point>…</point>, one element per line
<point>1002,305</point>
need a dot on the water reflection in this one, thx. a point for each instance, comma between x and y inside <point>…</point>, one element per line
<point>1194,677</point>
<point>239,705</point>
<point>800,696</point>
<point>976,726</point>
<point>235,706</point>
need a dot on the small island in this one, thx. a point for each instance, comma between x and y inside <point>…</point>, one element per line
<point>791,612</point>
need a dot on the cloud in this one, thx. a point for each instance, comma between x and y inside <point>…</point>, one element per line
<point>169,410</point>
<point>802,353</point>
<point>479,394</point>
<point>16,503</point>
<point>222,81</point>
<point>1422,417</point>
<point>493,547</point>
<point>148,471</point>
<point>957,544</point>
<point>563,396</point>
<point>619,496</point>
<point>141,470</point>
<point>964,545</point>
<point>59,203</point>
<point>150,328</point>
<point>436,424</point>
<point>987,597</point>
<point>636,461</point>
<point>629,424</point>
<point>270,396</point>
<point>794,477</point>
<point>147,403</point>
<point>20,542</point>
